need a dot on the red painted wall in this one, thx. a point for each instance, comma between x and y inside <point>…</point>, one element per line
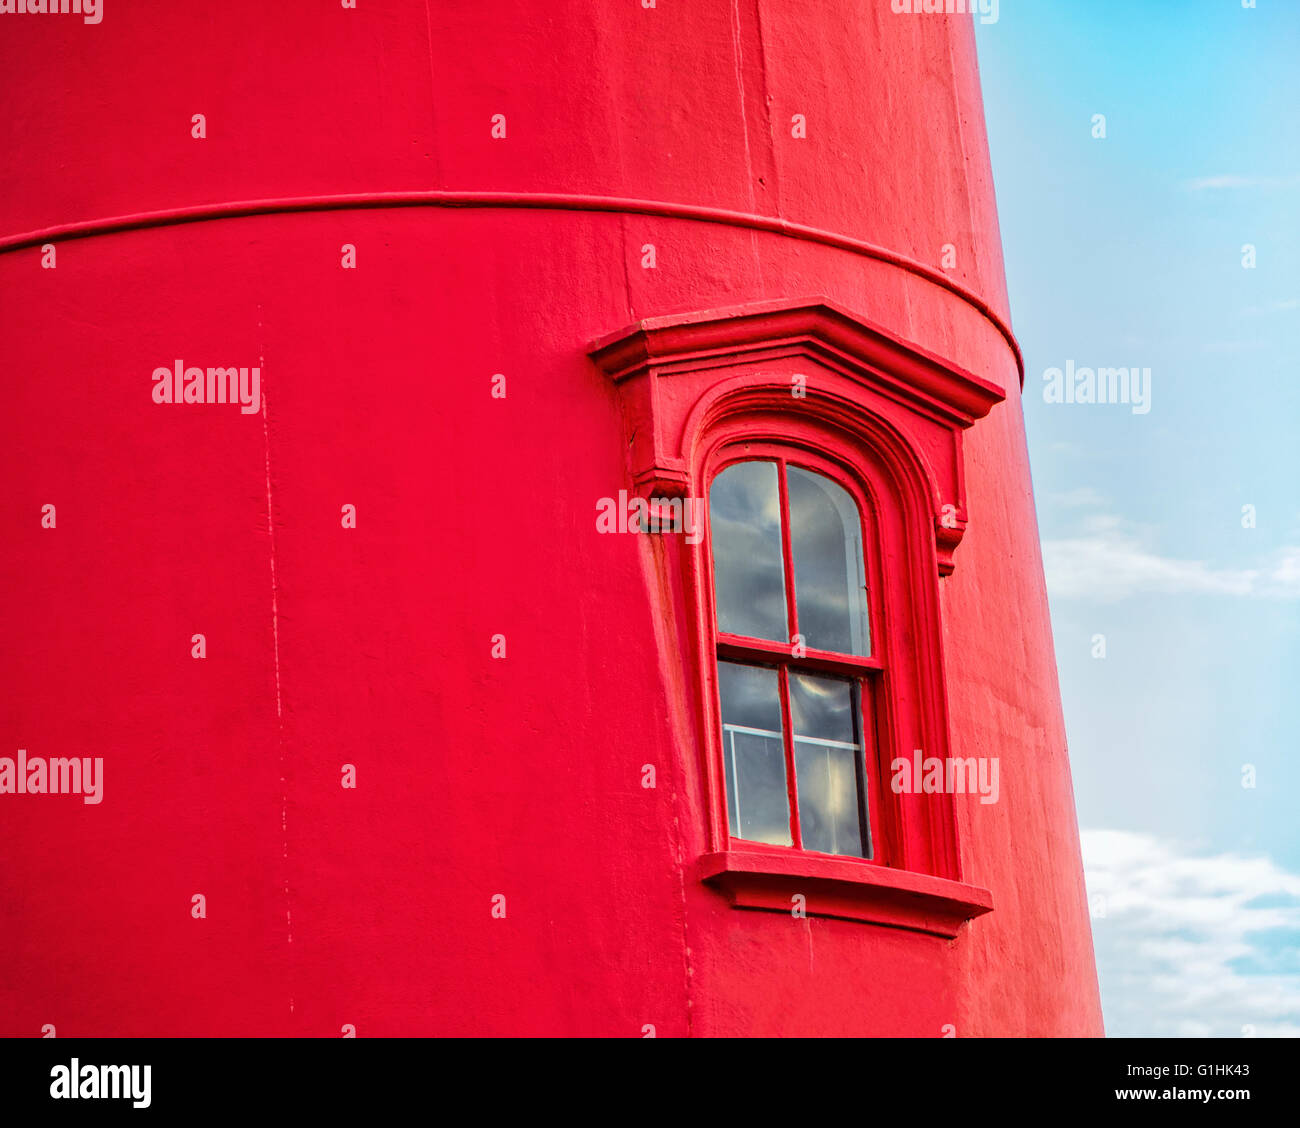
<point>475,516</point>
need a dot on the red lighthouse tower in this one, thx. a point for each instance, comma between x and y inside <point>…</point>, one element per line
<point>518,522</point>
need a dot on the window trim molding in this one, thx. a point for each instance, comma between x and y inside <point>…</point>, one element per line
<point>770,879</point>
<point>693,388</point>
<point>928,399</point>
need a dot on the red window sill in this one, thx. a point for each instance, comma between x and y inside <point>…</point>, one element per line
<point>844,888</point>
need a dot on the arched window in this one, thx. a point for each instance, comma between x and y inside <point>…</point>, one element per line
<point>794,658</point>
<point>830,457</point>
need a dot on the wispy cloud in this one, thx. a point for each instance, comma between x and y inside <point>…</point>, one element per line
<point>1287,571</point>
<point>1107,562</point>
<point>1232,346</point>
<point>1192,944</point>
<point>1285,306</point>
<point>1110,560</point>
<point>1083,496</point>
<point>1235,180</point>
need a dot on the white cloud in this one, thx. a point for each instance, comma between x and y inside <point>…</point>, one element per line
<point>1287,572</point>
<point>1082,497</point>
<point>1234,180</point>
<point>1107,561</point>
<point>1284,306</point>
<point>1232,346</point>
<point>1188,945</point>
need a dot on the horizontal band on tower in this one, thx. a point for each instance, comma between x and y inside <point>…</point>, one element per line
<point>545,201</point>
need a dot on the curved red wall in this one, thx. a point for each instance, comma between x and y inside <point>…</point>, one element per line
<point>475,516</point>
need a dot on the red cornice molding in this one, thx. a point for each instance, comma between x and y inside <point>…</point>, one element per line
<point>815,322</point>
<point>675,373</point>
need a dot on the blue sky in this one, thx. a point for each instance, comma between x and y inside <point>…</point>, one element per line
<point>1127,251</point>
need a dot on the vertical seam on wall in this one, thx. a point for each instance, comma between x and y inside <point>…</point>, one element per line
<point>614,124</point>
<point>965,156</point>
<point>688,971</point>
<point>627,274</point>
<point>771,139</point>
<point>433,101</point>
<point>740,86</point>
<point>744,129</point>
<point>775,186</point>
<point>275,644</point>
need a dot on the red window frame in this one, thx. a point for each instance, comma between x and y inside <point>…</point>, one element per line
<point>866,674</point>
<point>818,382</point>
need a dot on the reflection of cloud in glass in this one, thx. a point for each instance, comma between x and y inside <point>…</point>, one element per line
<point>829,569</point>
<point>757,804</point>
<point>830,590</point>
<point>826,764</point>
<point>749,574</point>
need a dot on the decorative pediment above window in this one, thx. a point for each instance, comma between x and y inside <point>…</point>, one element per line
<point>677,375</point>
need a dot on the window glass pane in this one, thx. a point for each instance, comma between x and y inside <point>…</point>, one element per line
<point>830,585</point>
<point>748,571</point>
<point>758,805</point>
<point>828,766</point>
